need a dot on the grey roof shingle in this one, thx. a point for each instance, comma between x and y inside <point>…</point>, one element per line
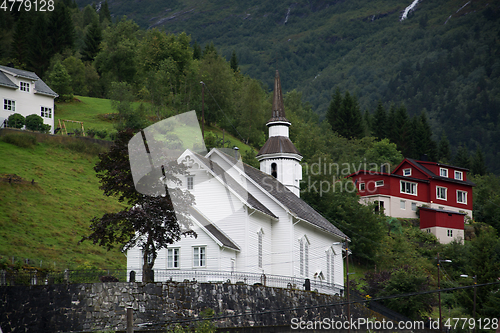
<point>40,86</point>
<point>214,230</point>
<point>6,82</point>
<point>252,201</point>
<point>295,204</point>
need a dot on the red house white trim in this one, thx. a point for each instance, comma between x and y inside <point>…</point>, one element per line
<point>414,184</point>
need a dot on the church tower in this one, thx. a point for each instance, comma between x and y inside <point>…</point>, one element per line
<point>279,157</point>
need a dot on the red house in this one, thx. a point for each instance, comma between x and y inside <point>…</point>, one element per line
<point>413,184</point>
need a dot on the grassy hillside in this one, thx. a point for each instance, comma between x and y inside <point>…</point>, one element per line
<point>45,221</point>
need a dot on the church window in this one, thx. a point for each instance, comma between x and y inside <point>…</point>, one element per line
<point>274,170</point>
<point>260,234</point>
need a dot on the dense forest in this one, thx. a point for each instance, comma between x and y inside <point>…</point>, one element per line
<point>442,59</point>
<point>361,114</point>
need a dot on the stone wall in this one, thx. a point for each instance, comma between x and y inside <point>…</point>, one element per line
<point>90,307</point>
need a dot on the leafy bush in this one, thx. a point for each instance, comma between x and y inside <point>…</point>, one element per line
<point>16,120</point>
<point>91,132</point>
<point>21,140</point>
<point>34,122</point>
<point>101,134</point>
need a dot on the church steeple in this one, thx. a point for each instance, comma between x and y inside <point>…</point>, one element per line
<point>278,105</point>
<point>279,157</point>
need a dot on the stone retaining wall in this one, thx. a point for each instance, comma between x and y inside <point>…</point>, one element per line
<point>99,306</point>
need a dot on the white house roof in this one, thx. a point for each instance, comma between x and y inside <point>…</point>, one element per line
<point>40,86</point>
<point>6,82</point>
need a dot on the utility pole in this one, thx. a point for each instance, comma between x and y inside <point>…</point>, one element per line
<point>347,283</point>
<point>202,110</point>
<point>439,292</point>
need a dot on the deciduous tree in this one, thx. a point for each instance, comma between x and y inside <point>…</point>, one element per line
<point>147,221</point>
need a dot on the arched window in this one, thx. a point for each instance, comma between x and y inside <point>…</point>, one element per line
<point>259,234</point>
<point>274,170</point>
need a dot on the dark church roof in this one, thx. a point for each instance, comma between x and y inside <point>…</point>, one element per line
<point>278,144</point>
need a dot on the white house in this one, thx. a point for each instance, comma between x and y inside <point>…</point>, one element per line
<point>251,224</point>
<point>25,93</point>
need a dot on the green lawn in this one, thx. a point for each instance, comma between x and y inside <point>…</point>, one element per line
<point>45,221</point>
<point>87,110</point>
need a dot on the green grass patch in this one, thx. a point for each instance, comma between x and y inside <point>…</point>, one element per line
<point>45,221</point>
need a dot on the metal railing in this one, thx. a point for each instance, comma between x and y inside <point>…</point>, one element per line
<point>246,278</point>
<point>35,277</point>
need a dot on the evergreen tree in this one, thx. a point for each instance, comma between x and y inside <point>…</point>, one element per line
<point>401,131</point>
<point>209,48</point>
<point>196,51</point>
<point>92,42</point>
<point>346,120</point>
<point>367,123</point>
<point>61,29</point>
<point>423,138</point>
<point>390,129</point>
<point>462,158</point>
<point>379,122</point>
<point>21,39</point>
<point>104,13</point>
<point>478,166</point>
<point>234,62</point>
<point>39,49</point>
<point>444,151</point>
<point>333,110</point>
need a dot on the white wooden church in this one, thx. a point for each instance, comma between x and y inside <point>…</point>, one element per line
<point>261,232</point>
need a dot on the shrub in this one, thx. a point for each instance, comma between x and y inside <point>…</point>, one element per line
<point>34,122</point>
<point>91,132</point>
<point>16,120</point>
<point>21,140</point>
<point>101,133</point>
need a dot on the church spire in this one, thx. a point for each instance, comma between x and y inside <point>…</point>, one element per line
<point>279,157</point>
<point>278,106</point>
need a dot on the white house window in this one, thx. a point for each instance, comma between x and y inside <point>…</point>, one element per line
<point>301,250</point>
<point>190,182</point>
<point>328,266</point>
<point>414,206</point>
<point>379,183</point>
<point>402,204</point>
<point>172,258</point>
<point>408,187</point>
<point>450,233</point>
<point>441,192</point>
<point>45,112</point>
<point>361,186</point>
<point>443,172</point>
<point>332,267</point>
<point>9,105</point>
<point>260,234</point>
<point>459,175</point>
<point>428,231</point>
<point>461,197</point>
<point>304,256</point>
<point>199,256</point>
<point>25,86</point>
<point>407,172</point>
<point>306,259</point>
